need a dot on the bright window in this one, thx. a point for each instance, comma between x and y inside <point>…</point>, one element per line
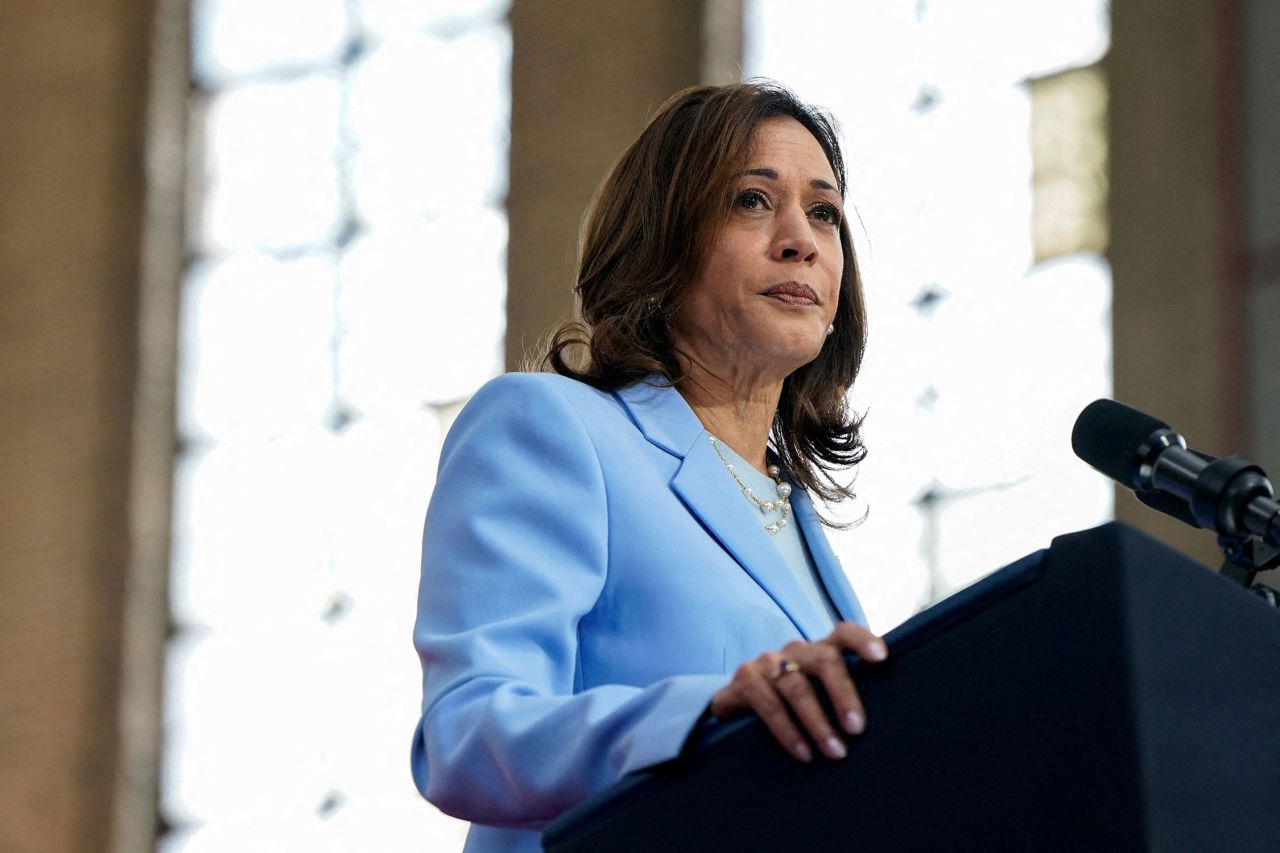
<point>345,292</point>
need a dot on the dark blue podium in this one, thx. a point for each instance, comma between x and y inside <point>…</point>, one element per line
<point>1104,694</point>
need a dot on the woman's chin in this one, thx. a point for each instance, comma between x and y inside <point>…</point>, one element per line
<point>794,358</point>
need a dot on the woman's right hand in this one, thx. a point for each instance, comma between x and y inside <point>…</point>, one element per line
<point>776,686</point>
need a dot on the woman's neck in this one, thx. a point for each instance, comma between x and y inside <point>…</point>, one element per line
<point>737,410</point>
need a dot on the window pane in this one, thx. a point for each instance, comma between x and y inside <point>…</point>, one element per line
<point>399,18</point>
<point>385,468</point>
<point>235,38</point>
<point>257,346</point>
<point>1005,41</point>
<point>271,175</point>
<point>423,144</point>
<point>252,533</point>
<point>246,724</point>
<point>422,311</point>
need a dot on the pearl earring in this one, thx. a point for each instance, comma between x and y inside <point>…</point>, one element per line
<point>831,328</point>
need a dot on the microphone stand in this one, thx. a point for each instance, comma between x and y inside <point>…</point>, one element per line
<point>1220,499</point>
<point>1244,558</point>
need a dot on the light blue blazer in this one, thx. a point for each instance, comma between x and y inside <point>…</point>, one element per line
<point>591,575</point>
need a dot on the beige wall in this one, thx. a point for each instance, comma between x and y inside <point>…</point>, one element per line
<point>71,199</point>
<point>1172,225</point>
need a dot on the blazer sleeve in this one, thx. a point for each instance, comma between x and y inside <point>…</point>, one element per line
<point>515,551</point>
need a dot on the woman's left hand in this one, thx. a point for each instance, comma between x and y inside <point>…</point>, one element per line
<point>776,686</point>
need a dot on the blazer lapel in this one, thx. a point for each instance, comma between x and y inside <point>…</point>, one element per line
<point>708,490</point>
<point>828,565</point>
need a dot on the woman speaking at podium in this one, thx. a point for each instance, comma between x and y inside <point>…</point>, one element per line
<point>625,543</point>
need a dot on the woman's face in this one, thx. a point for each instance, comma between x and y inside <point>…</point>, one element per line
<point>767,289</point>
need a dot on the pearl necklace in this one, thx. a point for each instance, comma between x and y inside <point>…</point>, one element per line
<point>782,504</point>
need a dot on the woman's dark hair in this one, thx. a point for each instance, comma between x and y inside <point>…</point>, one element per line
<point>647,230</point>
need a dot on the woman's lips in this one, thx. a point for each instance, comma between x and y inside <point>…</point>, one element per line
<point>792,293</point>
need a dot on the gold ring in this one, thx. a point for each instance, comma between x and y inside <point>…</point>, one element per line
<point>785,666</point>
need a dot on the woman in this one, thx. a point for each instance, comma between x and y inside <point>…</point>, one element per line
<point>625,544</point>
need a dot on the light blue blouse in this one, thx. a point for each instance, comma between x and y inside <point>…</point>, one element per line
<point>788,540</point>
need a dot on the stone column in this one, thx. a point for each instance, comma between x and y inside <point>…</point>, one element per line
<point>77,400</point>
<point>1177,298</point>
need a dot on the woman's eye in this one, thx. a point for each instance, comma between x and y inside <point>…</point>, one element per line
<point>826,213</point>
<point>752,200</point>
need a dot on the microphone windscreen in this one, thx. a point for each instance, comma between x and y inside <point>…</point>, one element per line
<point>1108,434</point>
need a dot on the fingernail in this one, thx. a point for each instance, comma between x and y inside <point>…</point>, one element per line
<point>834,748</point>
<point>853,723</point>
<point>878,651</point>
<point>802,751</point>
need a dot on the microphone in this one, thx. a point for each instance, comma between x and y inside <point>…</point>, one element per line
<point>1230,496</point>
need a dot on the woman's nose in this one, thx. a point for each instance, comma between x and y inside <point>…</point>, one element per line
<point>793,240</point>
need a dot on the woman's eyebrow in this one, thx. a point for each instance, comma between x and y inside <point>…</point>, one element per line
<point>771,174</point>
